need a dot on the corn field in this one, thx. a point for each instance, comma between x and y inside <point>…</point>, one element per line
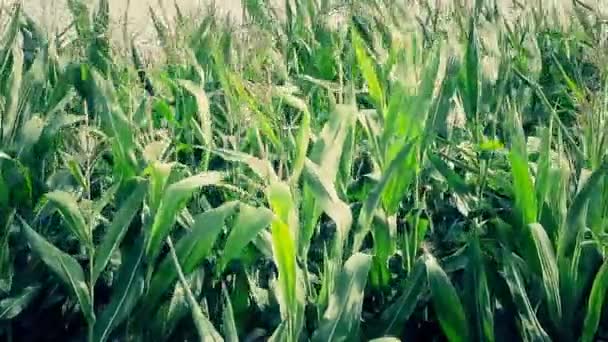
<point>323,170</point>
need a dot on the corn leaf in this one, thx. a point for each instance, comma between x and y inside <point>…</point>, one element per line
<point>448,307</point>
<point>373,199</point>
<point>69,210</point>
<point>11,307</point>
<point>249,223</point>
<point>173,200</point>
<point>191,250</point>
<point>125,295</point>
<point>63,266</point>
<point>118,228</point>
<point>398,313</point>
<point>340,321</point>
<point>596,303</point>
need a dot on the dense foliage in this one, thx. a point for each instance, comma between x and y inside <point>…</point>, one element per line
<point>334,171</point>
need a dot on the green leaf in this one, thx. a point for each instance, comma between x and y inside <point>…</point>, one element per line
<point>302,142</point>
<point>577,213</point>
<point>125,294</point>
<point>549,271</point>
<point>523,188</point>
<point>454,180</point>
<point>69,210</point>
<point>174,199</point>
<point>64,266</point>
<point>191,250</point>
<point>159,175</point>
<point>116,125</point>
<point>205,329</point>
<point>373,199</point>
<point>202,103</point>
<point>261,167</point>
<point>168,316</point>
<point>80,12</point>
<point>229,327</point>
<point>10,115</point>
<point>399,312</point>
<point>328,148</point>
<point>340,321</point>
<point>471,71</point>
<point>595,304</point>
<point>249,223</point>
<point>118,228</point>
<point>531,328</point>
<point>284,252</point>
<point>327,198</point>
<point>478,300</point>
<point>367,67</point>
<point>448,307</point>
<point>11,307</point>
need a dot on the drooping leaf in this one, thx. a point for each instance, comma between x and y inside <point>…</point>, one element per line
<point>367,67</point>
<point>302,142</point>
<point>69,210</point>
<point>530,327</point>
<point>262,168</point>
<point>327,199</point>
<point>478,300</point>
<point>326,151</point>
<point>205,329</point>
<point>453,179</point>
<point>523,187</point>
<point>385,339</point>
<point>202,103</point>
<point>64,266</point>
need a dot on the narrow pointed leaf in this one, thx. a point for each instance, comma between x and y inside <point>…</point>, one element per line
<point>202,103</point>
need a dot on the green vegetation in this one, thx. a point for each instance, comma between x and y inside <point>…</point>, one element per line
<point>375,170</point>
